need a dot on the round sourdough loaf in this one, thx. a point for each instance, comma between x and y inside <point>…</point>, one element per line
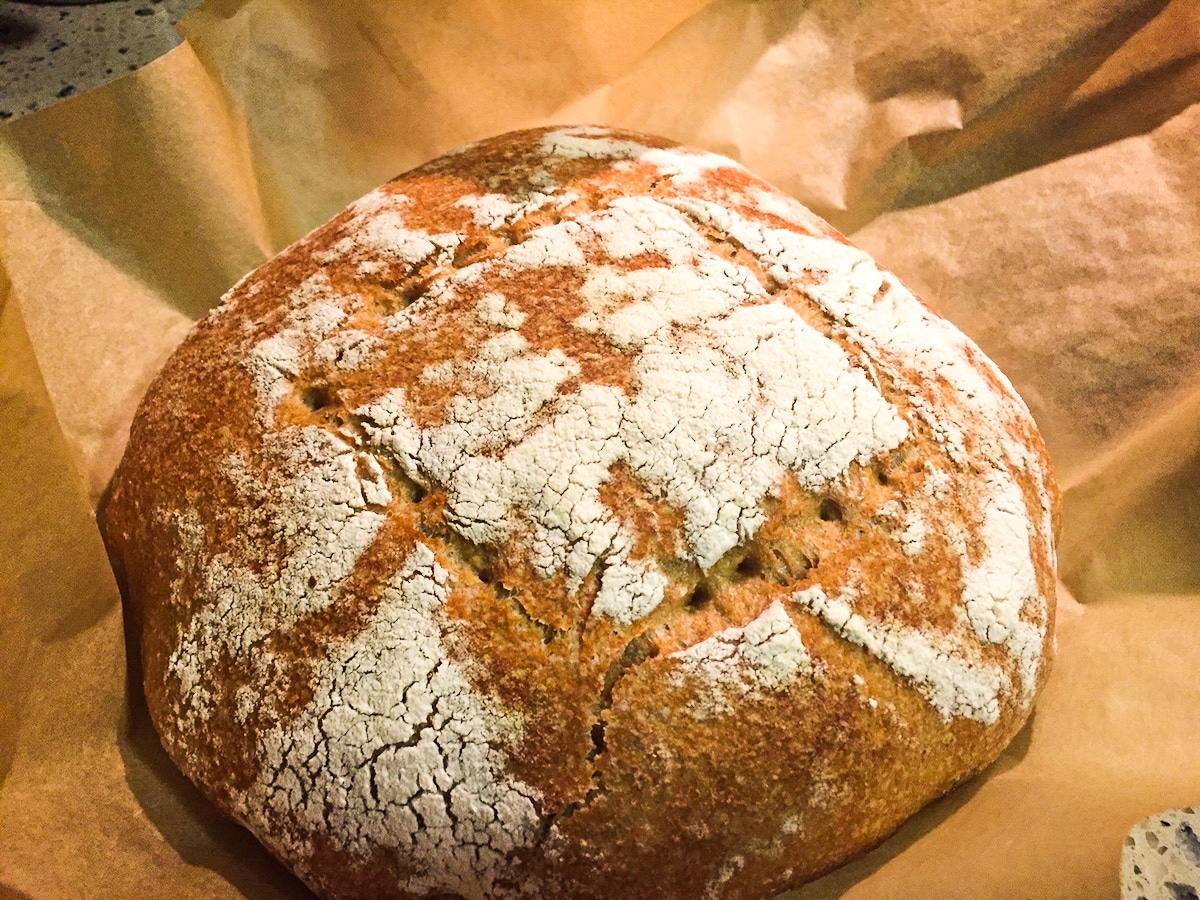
<point>578,516</point>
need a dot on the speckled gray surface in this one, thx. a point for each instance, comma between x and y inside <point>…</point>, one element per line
<point>49,52</point>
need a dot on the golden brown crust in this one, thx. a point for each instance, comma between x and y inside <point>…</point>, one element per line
<point>577,516</point>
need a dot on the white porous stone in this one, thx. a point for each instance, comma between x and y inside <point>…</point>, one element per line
<point>1161,857</point>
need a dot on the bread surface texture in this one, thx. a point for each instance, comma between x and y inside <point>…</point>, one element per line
<point>578,516</point>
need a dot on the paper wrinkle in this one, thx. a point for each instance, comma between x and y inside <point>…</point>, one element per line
<point>1032,175</point>
<point>1089,93</point>
<point>1171,37</point>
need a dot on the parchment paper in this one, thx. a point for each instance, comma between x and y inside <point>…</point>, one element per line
<point>1028,167</point>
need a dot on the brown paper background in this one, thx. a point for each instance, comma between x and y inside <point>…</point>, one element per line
<point>1029,167</point>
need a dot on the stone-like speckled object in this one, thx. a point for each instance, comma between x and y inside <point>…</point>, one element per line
<point>49,52</point>
<point>1161,859</point>
<point>578,516</point>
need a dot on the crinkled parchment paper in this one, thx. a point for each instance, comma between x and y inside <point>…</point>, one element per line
<point>1029,167</point>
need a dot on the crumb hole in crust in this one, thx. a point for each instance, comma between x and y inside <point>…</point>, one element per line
<point>316,396</point>
<point>481,559</point>
<point>480,247</point>
<point>636,652</point>
<point>750,566</point>
<point>468,252</point>
<point>413,288</point>
<point>830,510</point>
<point>598,745</point>
<point>699,596</point>
<point>781,571</point>
<point>881,476</point>
<point>787,566</point>
<point>412,490</point>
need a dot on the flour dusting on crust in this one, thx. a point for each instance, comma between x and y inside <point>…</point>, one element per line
<point>738,664</point>
<point>397,750</point>
<point>732,395</point>
<point>730,392</point>
<point>332,514</point>
<point>954,682</point>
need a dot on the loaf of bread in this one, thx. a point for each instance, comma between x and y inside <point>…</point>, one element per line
<point>578,516</point>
